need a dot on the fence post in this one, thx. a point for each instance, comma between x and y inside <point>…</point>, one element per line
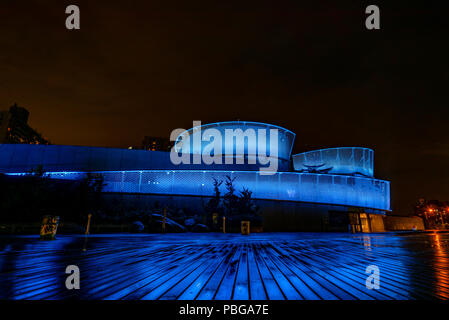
<point>89,216</point>
<point>224,224</point>
<point>163,219</point>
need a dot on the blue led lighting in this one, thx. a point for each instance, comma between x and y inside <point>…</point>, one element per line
<point>242,124</point>
<point>288,186</point>
<point>335,176</point>
<point>345,160</point>
<point>285,141</point>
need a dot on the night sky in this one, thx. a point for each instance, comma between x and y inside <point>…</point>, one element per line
<point>141,68</point>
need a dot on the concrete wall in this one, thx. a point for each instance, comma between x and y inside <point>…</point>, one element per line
<point>377,223</point>
<point>277,215</point>
<point>293,216</point>
<point>398,223</point>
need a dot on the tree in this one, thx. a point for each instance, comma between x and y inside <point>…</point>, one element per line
<point>246,204</point>
<point>230,199</point>
<point>236,206</point>
<point>214,204</point>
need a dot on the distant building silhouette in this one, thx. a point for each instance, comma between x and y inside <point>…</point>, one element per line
<point>14,127</point>
<point>156,144</point>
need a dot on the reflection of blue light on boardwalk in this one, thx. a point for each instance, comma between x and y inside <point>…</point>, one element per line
<point>218,266</point>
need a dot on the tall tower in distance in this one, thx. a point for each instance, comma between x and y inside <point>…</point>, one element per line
<point>14,127</point>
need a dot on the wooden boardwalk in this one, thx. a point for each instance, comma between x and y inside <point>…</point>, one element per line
<point>278,266</point>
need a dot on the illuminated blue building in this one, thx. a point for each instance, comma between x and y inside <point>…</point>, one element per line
<point>347,161</point>
<point>323,186</point>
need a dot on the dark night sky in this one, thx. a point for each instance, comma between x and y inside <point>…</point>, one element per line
<point>146,67</point>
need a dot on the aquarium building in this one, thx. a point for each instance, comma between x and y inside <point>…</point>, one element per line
<point>321,190</point>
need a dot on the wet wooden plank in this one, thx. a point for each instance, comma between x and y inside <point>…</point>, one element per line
<point>241,287</point>
<point>256,286</point>
<point>215,266</point>
<point>195,288</point>
<point>272,287</point>
<point>210,289</point>
<point>226,287</point>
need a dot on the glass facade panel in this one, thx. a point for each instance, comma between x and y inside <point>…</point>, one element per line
<point>304,187</point>
<point>337,178</point>
<point>353,161</point>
